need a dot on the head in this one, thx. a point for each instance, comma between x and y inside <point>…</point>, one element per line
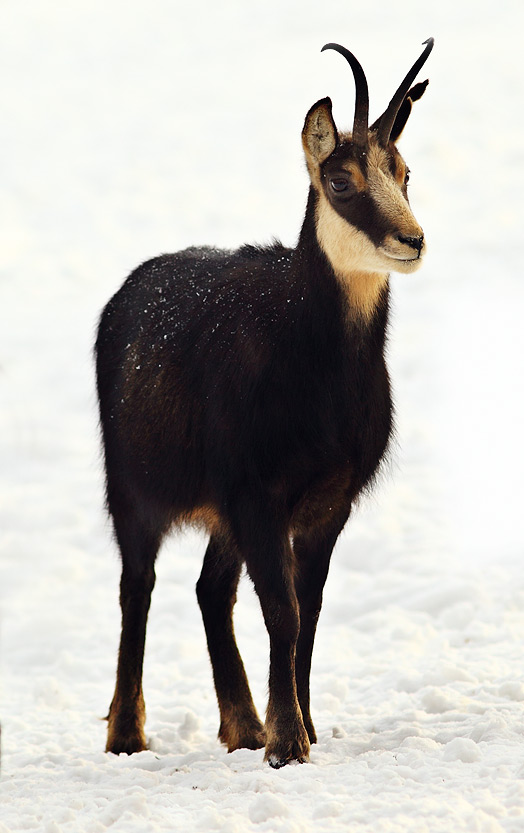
<point>364,221</point>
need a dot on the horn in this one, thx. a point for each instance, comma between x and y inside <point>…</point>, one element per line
<point>360,122</point>
<point>386,121</point>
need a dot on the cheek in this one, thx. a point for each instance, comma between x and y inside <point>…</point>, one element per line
<point>362,212</point>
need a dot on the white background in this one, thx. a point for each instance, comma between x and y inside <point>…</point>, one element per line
<point>128,129</point>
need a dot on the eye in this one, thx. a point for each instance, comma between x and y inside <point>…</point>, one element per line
<point>339,184</point>
<point>406,178</point>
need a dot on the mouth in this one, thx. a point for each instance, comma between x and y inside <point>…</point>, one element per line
<point>400,257</point>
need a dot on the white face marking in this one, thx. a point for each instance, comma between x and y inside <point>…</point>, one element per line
<point>353,257</point>
<point>361,266</point>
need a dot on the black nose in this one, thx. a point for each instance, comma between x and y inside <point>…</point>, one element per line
<point>414,242</point>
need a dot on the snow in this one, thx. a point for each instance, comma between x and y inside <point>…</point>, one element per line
<point>129,129</point>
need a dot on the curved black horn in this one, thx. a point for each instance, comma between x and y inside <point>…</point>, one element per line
<point>360,122</point>
<point>388,118</point>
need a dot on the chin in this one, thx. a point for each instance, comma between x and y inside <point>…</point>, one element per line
<point>406,267</point>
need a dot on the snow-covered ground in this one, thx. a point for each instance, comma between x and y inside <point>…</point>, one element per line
<point>132,128</point>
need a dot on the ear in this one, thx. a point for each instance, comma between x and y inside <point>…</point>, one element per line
<point>403,114</point>
<point>319,136</point>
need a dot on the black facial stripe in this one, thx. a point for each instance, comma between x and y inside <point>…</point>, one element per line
<point>357,207</point>
<point>360,211</point>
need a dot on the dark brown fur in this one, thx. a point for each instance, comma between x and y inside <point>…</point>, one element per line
<point>239,391</point>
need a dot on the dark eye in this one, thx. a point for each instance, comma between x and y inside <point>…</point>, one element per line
<point>406,178</point>
<point>339,184</point>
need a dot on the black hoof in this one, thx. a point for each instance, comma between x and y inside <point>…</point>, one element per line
<point>277,763</point>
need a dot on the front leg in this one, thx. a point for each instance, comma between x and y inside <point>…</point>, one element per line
<point>286,735</point>
<point>313,550</point>
<point>262,537</point>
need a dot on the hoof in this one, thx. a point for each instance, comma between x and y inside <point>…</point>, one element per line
<point>281,751</point>
<point>255,741</point>
<point>247,733</point>
<point>126,746</point>
<point>125,729</point>
<point>125,735</point>
<point>310,729</point>
<point>277,763</point>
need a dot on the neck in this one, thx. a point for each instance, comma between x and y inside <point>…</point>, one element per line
<point>329,240</point>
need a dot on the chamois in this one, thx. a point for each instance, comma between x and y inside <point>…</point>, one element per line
<point>247,391</point>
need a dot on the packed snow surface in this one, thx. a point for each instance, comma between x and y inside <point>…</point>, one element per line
<point>131,129</point>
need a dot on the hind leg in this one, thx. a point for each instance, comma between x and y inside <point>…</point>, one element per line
<point>138,547</point>
<point>240,726</point>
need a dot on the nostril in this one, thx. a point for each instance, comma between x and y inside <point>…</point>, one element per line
<point>413,242</point>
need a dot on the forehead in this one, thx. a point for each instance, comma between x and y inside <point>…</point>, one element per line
<point>346,156</point>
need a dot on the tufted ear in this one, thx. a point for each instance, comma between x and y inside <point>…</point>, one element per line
<point>403,114</point>
<point>319,136</point>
